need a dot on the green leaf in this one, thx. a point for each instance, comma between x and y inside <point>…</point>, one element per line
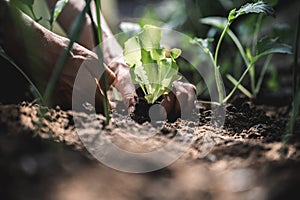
<point>268,46</point>
<point>232,15</point>
<point>140,75</point>
<point>150,67</point>
<point>150,37</point>
<point>175,53</point>
<point>157,54</point>
<point>59,6</point>
<point>258,7</point>
<point>203,43</point>
<point>132,52</point>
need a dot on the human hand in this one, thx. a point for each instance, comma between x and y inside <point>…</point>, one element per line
<point>80,76</point>
<point>179,102</point>
<point>124,85</point>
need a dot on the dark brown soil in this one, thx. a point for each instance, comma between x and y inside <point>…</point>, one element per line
<point>45,159</point>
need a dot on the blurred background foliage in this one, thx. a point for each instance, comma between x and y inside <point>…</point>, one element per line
<point>184,15</point>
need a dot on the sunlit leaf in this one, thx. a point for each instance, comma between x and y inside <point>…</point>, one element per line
<point>132,52</point>
<point>150,37</point>
<point>258,7</point>
<point>150,67</point>
<point>175,53</point>
<point>203,43</point>
<point>59,6</point>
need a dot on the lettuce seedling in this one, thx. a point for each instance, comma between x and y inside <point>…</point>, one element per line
<point>152,66</point>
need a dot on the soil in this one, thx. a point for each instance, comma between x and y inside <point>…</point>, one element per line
<point>45,158</point>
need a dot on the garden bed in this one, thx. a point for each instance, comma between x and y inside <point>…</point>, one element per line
<point>246,161</point>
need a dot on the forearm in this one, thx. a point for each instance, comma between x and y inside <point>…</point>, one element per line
<point>21,39</point>
<point>32,46</point>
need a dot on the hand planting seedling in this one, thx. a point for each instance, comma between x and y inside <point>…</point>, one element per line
<point>264,47</point>
<point>152,66</point>
<point>154,69</point>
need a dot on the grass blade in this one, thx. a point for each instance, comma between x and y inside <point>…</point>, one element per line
<point>36,92</point>
<point>100,60</point>
<point>240,87</point>
<point>74,35</point>
<point>59,6</point>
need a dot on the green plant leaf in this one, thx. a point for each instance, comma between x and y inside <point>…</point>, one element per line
<point>150,37</point>
<point>175,53</point>
<point>59,6</point>
<point>258,7</point>
<point>168,72</point>
<point>132,52</point>
<point>150,67</point>
<point>203,43</point>
<point>268,46</point>
<point>140,75</point>
<point>232,15</point>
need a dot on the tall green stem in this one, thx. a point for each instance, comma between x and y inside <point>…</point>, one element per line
<point>219,43</point>
<point>101,64</point>
<point>216,67</point>
<point>262,74</point>
<point>239,46</point>
<point>254,42</point>
<point>238,83</point>
<point>74,35</point>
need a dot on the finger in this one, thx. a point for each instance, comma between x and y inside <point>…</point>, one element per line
<point>185,96</point>
<point>191,96</point>
<point>181,96</point>
<point>168,102</point>
<point>125,86</point>
<point>100,72</point>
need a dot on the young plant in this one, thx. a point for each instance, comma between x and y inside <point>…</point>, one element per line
<point>264,47</point>
<point>153,67</point>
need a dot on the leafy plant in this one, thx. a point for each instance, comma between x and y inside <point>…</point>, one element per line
<point>152,67</point>
<point>264,47</point>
